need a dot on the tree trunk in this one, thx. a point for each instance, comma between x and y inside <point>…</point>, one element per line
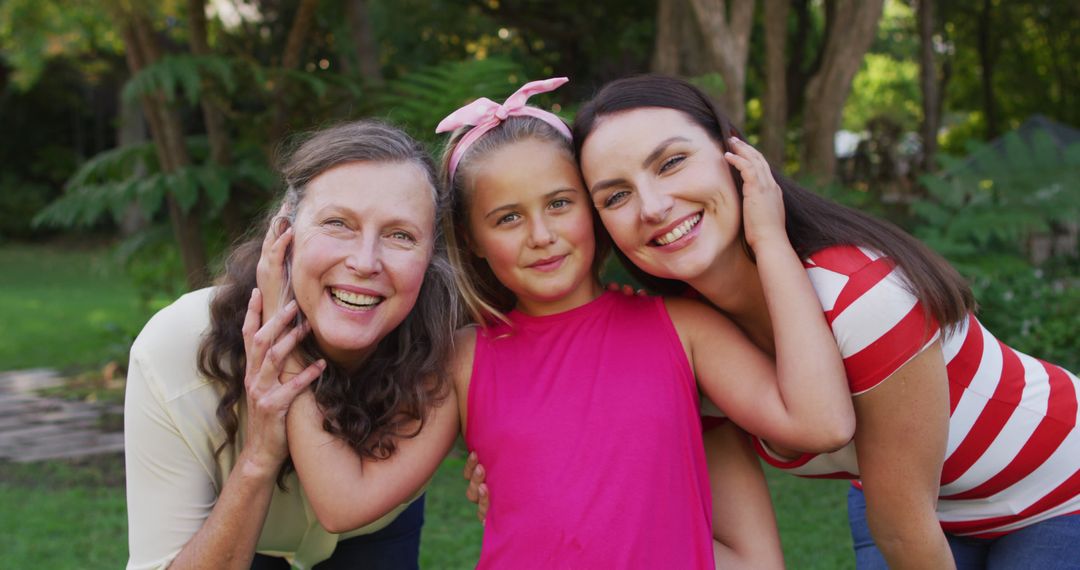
<point>774,99</point>
<point>215,108</point>
<point>680,48</point>
<point>290,59</point>
<point>986,62</point>
<point>363,37</point>
<point>131,131</point>
<point>928,79</point>
<point>141,50</point>
<point>666,49</point>
<point>848,39</point>
<point>727,36</point>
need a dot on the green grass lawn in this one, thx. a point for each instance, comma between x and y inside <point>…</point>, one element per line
<point>57,304</point>
<point>63,306</point>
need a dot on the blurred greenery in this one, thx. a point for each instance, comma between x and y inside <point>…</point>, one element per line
<point>65,306</point>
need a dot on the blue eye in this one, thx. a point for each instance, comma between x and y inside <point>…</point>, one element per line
<point>615,198</point>
<point>513,217</point>
<point>560,203</point>
<point>403,236</point>
<point>672,162</point>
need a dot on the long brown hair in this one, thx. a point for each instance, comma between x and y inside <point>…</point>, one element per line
<point>813,222</point>
<point>389,396</point>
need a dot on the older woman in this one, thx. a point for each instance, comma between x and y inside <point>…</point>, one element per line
<point>207,395</point>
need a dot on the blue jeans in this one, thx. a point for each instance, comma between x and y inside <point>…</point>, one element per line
<point>395,547</point>
<point>1053,544</point>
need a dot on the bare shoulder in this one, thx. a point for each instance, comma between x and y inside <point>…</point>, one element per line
<point>691,316</point>
<point>462,361</point>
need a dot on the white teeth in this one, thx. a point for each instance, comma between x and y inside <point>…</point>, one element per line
<point>354,299</point>
<point>679,231</point>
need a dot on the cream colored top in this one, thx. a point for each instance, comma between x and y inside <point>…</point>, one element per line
<point>171,432</point>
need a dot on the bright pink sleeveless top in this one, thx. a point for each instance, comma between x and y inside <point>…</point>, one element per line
<point>587,423</point>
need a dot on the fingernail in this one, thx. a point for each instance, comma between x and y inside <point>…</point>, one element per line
<point>480,473</point>
<point>322,363</point>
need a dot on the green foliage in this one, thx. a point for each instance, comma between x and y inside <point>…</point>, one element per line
<point>980,213</point>
<point>152,264</point>
<point>19,201</point>
<point>34,31</point>
<point>184,73</point>
<point>420,99</point>
<point>884,86</point>
<point>104,186</point>
<point>981,209</point>
<point>1031,45</point>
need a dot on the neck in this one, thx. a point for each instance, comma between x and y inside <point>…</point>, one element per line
<point>580,296</point>
<point>735,288</point>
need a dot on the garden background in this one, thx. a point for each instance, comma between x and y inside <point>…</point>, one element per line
<point>138,138</point>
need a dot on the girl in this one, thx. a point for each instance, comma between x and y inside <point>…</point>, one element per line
<point>955,431</point>
<point>561,373</point>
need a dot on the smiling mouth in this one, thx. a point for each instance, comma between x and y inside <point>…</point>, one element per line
<point>548,263</point>
<point>678,231</point>
<point>354,301</point>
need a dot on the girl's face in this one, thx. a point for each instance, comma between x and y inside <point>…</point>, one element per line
<point>529,218</point>
<point>664,192</point>
<point>364,238</point>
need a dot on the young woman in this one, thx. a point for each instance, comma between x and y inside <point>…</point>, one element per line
<point>205,410</point>
<point>955,430</point>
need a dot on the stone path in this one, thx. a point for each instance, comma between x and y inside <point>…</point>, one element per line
<point>34,428</point>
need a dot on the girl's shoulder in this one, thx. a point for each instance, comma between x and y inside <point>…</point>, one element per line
<point>461,362</point>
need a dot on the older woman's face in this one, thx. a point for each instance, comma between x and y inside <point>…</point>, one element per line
<point>664,192</point>
<point>364,235</point>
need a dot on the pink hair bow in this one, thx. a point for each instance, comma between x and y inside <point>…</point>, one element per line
<point>484,114</point>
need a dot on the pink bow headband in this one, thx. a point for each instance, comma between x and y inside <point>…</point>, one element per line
<point>484,114</point>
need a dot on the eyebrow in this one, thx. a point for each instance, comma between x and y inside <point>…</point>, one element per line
<point>551,194</point>
<point>659,150</point>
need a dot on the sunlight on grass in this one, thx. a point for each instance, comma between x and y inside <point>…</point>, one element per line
<point>63,306</point>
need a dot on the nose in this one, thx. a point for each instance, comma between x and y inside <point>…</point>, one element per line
<point>655,204</point>
<point>540,233</point>
<point>365,259</point>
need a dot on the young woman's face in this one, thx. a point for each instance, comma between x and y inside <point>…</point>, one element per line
<point>364,235</point>
<point>664,192</point>
<point>529,218</point>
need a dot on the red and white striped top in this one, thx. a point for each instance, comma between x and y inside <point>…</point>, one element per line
<point>1013,455</point>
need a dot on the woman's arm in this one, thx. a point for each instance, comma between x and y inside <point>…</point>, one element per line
<point>172,504</point>
<point>903,427</point>
<point>744,525</point>
<point>348,492</point>
<point>811,384</point>
<point>793,407</point>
